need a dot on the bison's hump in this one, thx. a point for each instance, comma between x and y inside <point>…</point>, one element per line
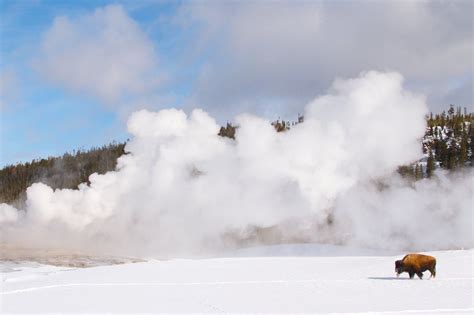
<point>418,261</point>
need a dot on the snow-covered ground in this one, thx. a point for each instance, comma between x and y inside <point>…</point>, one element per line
<point>289,278</point>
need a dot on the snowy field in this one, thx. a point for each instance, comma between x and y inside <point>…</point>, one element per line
<point>275,279</point>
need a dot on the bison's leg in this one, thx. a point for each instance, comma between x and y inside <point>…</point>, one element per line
<point>412,274</point>
<point>420,275</point>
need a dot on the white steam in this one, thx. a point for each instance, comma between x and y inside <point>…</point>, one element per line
<point>183,189</point>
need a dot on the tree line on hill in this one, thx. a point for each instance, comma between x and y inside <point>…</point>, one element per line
<point>66,171</point>
<point>448,143</point>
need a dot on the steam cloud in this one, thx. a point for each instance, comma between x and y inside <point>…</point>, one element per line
<point>182,189</point>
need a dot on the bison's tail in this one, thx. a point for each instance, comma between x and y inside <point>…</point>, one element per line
<point>433,270</point>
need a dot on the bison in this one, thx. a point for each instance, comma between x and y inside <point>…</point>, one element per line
<point>416,264</point>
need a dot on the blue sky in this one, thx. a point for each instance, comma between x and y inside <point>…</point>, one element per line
<point>41,119</point>
<point>64,92</point>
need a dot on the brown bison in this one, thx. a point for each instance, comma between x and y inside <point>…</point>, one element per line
<point>416,264</point>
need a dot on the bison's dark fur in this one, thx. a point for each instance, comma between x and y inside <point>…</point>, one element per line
<point>416,264</point>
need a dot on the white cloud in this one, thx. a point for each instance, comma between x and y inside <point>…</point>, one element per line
<point>263,57</point>
<point>284,51</point>
<point>104,54</point>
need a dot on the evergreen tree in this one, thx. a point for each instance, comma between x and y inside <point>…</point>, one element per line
<point>463,150</point>
<point>452,162</point>
<point>471,144</point>
<point>430,165</point>
<point>418,172</point>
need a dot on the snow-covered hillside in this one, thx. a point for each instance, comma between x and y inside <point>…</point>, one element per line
<point>288,278</point>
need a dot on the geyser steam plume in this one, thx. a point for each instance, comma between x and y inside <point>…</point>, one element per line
<point>182,189</point>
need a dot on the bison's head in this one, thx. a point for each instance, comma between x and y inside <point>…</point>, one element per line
<point>398,267</point>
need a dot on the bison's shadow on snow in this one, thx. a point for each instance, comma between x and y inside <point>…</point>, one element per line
<point>389,278</point>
